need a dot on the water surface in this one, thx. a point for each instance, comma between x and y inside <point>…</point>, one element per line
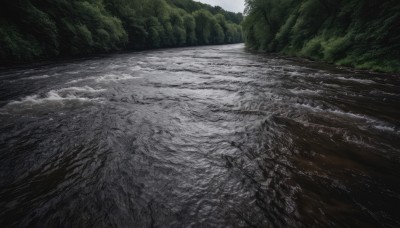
<point>198,137</point>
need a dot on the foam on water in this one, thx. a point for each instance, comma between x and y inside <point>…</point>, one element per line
<point>64,94</point>
<point>72,72</point>
<point>363,81</point>
<point>373,123</point>
<point>139,68</point>
<point>50,96</point>
<point>294,73</point>
<point>80,80</point>
<point>378,92</point>
<point>115,77</point>
<point>384,127</point>
<point>86,89</point>
<point>304,91</point>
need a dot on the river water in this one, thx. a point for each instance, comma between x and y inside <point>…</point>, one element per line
<point>198,137</point>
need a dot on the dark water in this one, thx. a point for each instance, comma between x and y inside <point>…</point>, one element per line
<point>198,137</point>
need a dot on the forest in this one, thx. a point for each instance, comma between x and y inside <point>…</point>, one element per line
<point>359,33</point>
<point>32,29</point>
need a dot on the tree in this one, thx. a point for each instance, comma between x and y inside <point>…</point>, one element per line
<point>203,26</point>
<point>360,33</point>
<point>48,28</point>
<point>190,27</point>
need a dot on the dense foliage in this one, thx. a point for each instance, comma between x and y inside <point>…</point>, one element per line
<point>359,33</point>
<point>32,29</point>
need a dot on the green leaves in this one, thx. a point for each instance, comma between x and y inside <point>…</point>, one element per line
<point>203,26</point>
<point>359,33</point>
<point>41,29</point>
<point>13,45</point>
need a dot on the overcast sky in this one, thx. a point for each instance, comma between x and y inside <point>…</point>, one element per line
<point>230,5</point>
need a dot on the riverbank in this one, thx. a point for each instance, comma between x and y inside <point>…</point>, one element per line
<point>356,33</point>
<point>374,65</point>
<point>61,59</point>
<point>34,30</point>
<point>312,62</point>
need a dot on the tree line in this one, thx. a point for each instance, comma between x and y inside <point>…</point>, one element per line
<point>31,29</point>
<point>359,33</point>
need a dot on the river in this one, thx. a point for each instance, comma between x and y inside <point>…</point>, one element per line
<point>210,136</point>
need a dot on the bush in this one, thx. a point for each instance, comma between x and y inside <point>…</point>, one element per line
<point>313,48</point>
<point>337,47</point>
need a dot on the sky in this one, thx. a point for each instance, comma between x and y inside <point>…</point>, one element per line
<point>229,5</point>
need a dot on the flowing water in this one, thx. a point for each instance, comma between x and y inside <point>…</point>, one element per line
<point>198,137</point>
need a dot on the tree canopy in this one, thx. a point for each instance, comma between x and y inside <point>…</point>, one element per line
<point>32,29</point>
<point>360,33</point>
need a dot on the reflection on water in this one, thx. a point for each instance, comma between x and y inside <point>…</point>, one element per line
<point>208,136</point>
